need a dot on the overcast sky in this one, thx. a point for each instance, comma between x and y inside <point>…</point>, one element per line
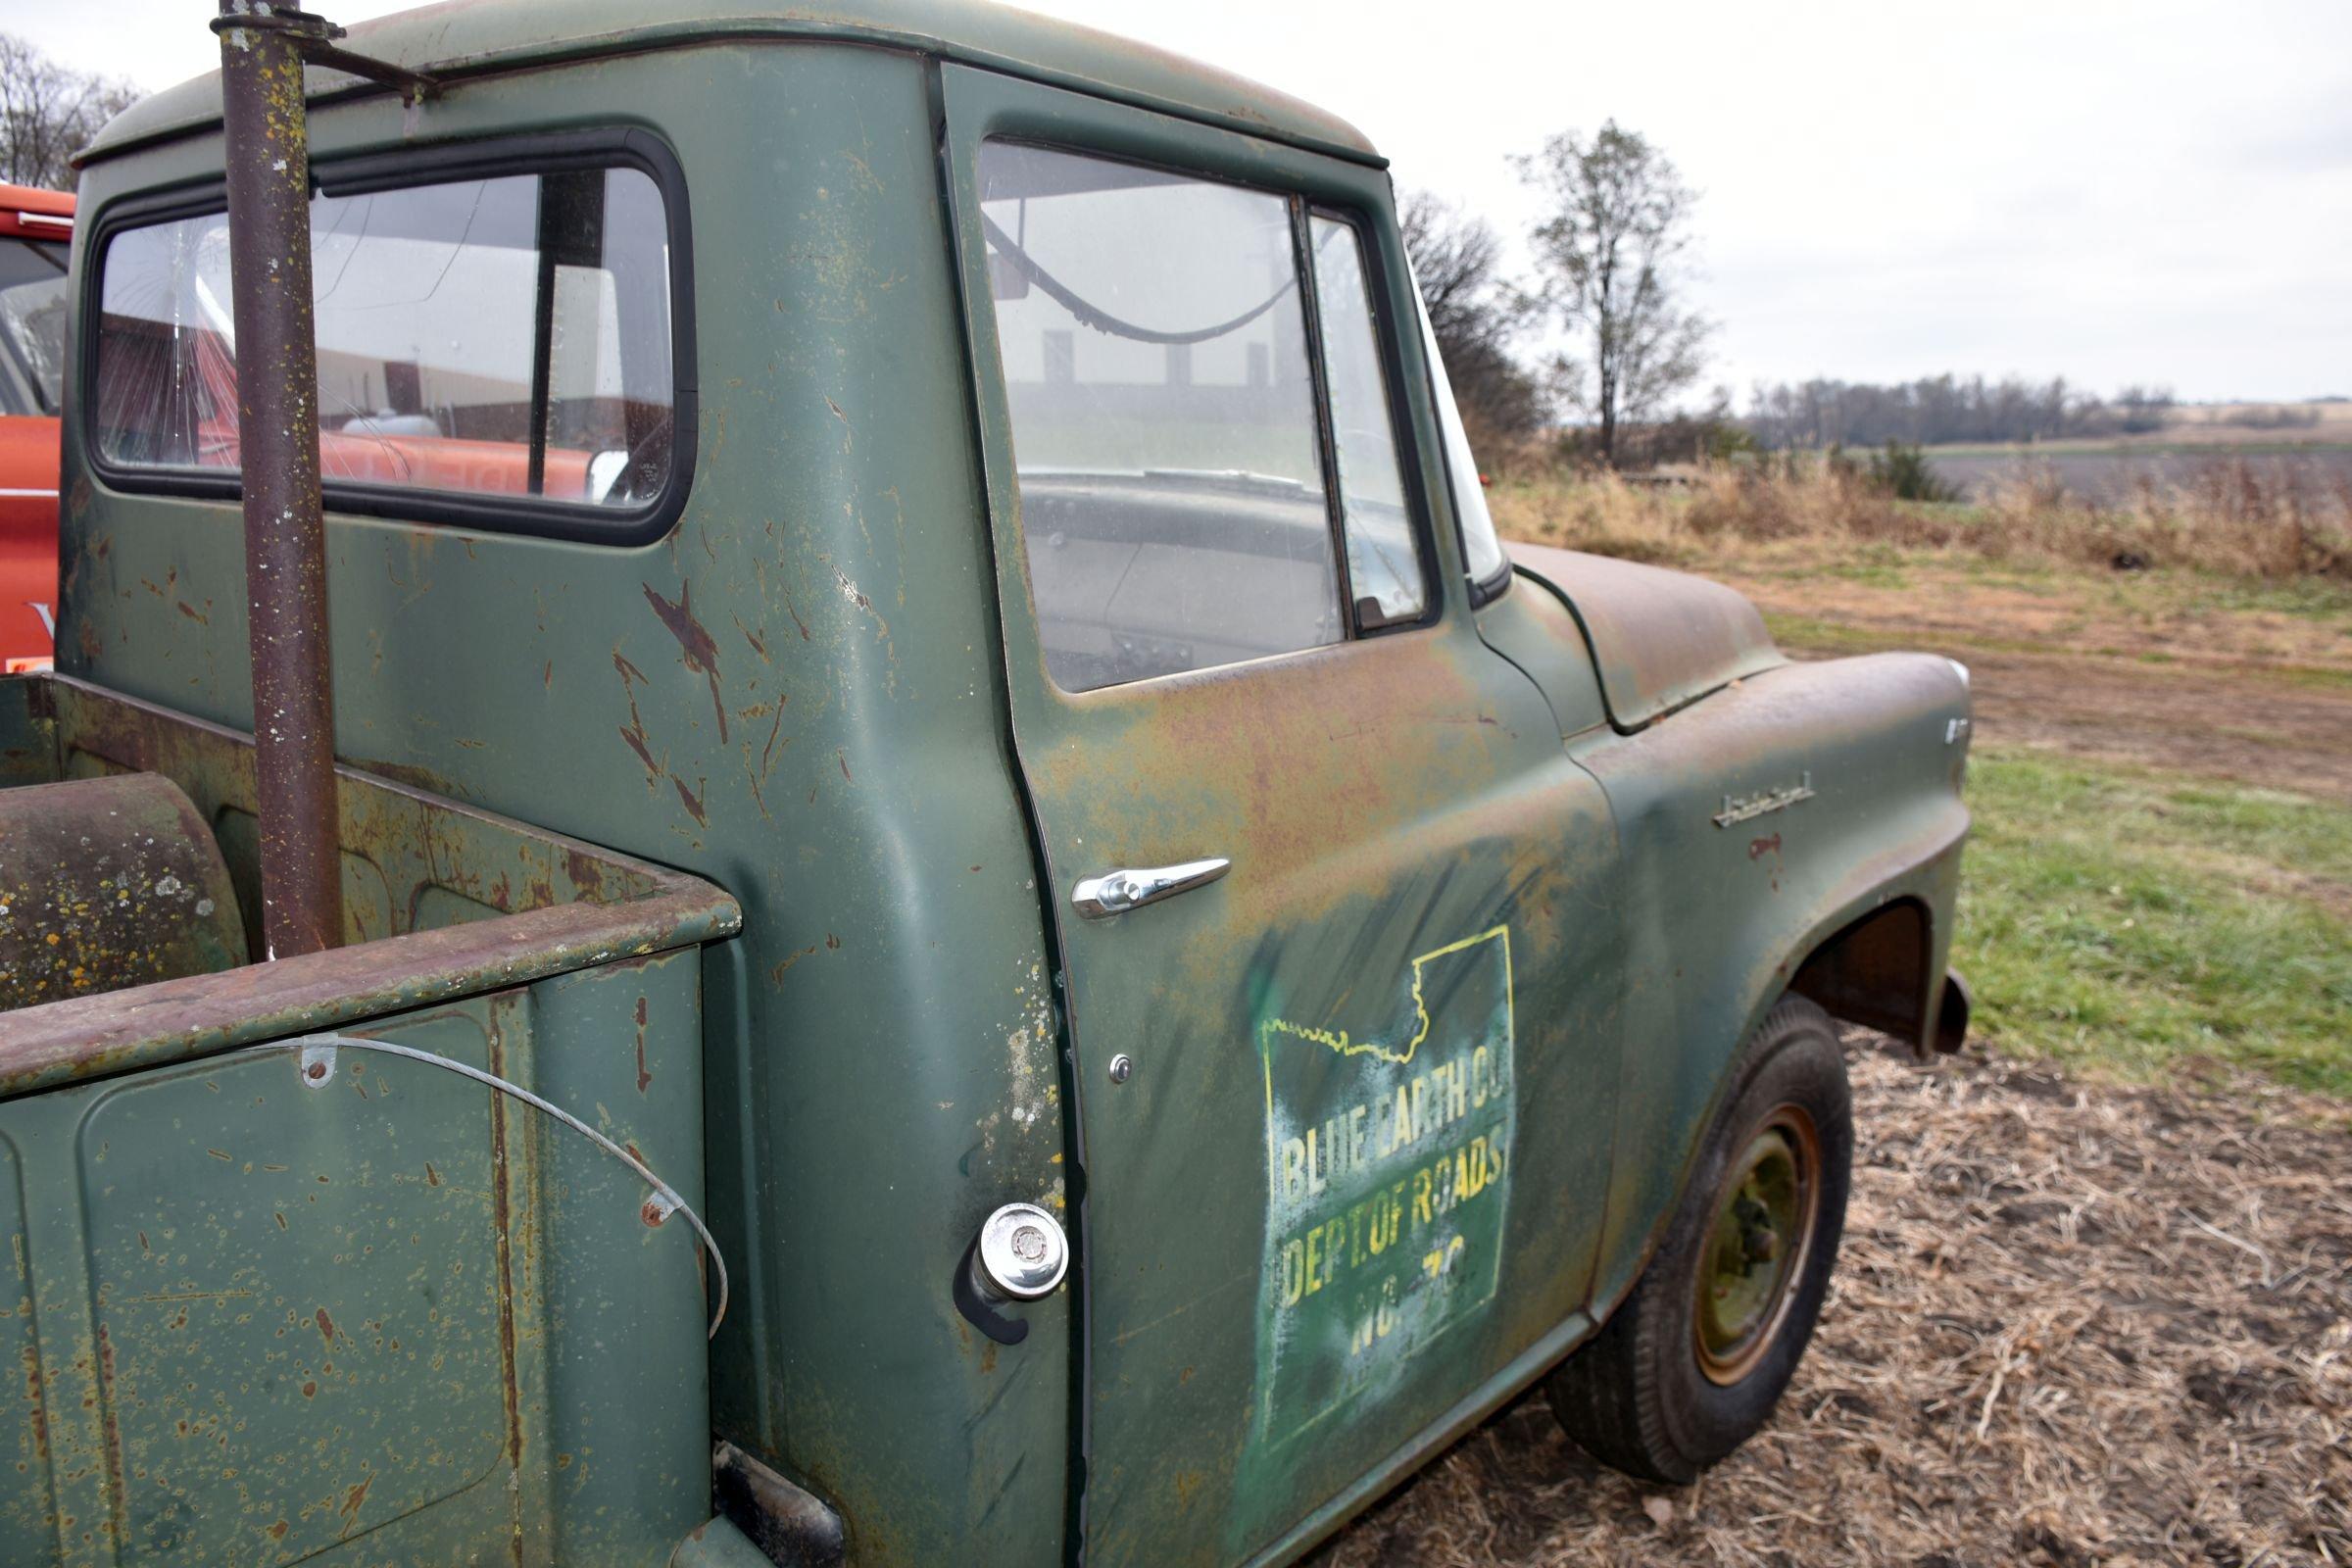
<point>2112,190</point>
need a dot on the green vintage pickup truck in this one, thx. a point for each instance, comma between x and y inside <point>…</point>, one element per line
<point>970,914</point>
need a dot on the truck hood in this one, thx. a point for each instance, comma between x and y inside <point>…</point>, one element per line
<point>1659,639</point>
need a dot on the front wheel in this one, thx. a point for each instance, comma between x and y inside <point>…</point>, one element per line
<point>1694,1358</point>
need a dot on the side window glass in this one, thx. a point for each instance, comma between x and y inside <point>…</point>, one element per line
<point>1384,570</point>
<point>1162,397</point>
<point>1483,555</point>
<point>32,326</point>
<point>492,338</point>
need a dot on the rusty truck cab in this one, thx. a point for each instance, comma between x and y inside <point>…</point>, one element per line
<point>769,726</point>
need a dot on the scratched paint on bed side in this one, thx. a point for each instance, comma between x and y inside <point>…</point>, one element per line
<point>1388,1159</point>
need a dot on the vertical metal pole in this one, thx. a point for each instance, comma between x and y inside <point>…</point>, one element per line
<point>277,426</point>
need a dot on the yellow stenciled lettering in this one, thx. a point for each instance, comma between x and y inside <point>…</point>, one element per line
<point>1372,1164</point>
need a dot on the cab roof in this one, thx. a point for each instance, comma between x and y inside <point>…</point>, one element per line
<point>461,39</point>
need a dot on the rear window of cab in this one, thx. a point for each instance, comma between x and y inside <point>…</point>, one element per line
<point>500,342</point>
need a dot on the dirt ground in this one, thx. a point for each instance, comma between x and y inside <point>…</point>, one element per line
<point>2070,1325</point>
<point>2121,670</point>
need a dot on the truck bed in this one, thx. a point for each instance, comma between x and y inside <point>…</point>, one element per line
<point>391,1315</point>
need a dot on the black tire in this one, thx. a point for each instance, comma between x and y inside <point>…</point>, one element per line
<point>1667,1387</point>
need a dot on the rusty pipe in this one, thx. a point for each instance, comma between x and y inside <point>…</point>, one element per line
<point>268,165</point>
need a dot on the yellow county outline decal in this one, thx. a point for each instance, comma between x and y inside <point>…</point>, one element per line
<point>1347,1047</point>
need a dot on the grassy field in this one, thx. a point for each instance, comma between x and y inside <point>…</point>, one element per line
<point>2137,923</point>
<point>2161,877</point>
<point>2233,519</point>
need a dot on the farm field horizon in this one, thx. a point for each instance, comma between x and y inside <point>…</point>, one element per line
<point>2112,473</point>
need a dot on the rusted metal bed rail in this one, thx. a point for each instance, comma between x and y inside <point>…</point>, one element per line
<point>600,908</point>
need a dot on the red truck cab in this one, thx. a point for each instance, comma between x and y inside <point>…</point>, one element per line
<point>35,227</point>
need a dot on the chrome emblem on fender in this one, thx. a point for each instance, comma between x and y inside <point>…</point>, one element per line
<point>1741,807</point>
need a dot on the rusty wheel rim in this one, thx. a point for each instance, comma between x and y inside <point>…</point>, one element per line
<point>1757,1247</point>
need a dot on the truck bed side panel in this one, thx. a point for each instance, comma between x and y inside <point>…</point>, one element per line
<point>390,1318</point>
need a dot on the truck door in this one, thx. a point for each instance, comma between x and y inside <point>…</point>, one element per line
<point>1338,959</point>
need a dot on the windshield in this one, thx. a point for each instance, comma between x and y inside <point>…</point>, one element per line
<point>1482,549</point>
<point>32,325</point>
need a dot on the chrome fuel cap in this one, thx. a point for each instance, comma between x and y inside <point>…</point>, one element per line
<point>1023,1252</point>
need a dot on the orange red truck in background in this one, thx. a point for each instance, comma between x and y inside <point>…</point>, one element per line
<point>35,227</point>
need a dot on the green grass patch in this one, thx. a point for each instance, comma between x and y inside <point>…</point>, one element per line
<point>2311,677</point>
<point>1815,636</point>
<point>2119,920</point>
<point>2175,592</point>
<point>1865,573</point>
<point>1818,636</point>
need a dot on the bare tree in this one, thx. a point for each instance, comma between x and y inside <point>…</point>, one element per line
<point>1609,258</point>
<point>1475,316</point>
<point>48,113</point>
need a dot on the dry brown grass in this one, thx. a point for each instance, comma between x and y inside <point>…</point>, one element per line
<point>2239,516</point>
<point>2071,1324</point>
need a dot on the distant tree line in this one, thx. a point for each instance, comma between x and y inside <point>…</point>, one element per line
<point>1943,409</point>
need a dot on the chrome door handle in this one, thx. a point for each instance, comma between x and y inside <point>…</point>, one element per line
<point>1117,892</point>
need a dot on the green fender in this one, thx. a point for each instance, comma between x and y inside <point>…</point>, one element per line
<point>1756,825</point>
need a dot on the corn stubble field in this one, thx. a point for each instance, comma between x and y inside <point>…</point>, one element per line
<point>2094,1305</point>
